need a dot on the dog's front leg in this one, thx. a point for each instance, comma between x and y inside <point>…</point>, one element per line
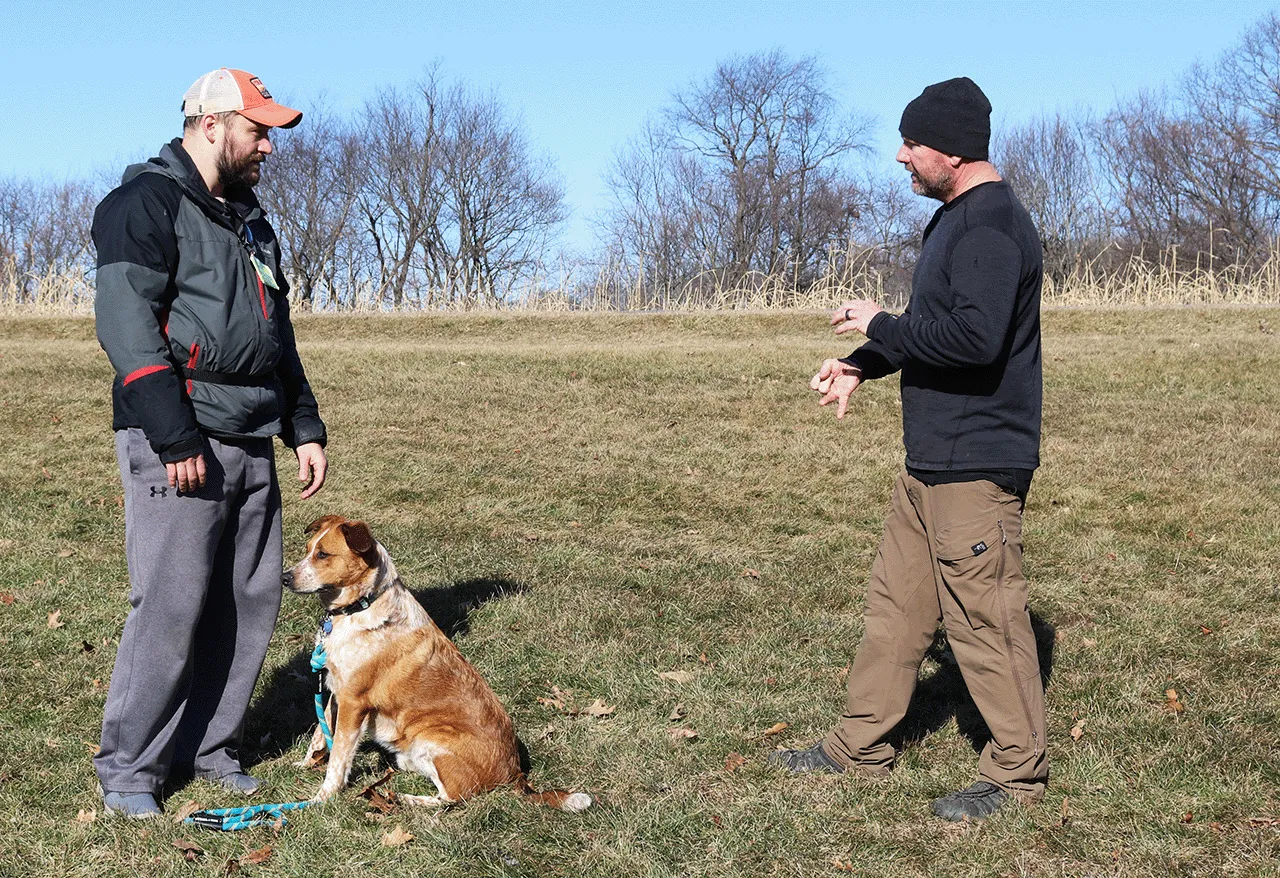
<point>318,749</point>
<point>346,738</point>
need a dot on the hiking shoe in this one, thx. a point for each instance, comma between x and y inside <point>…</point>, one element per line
<point>239,782</point>
<point>135,806</point>
<point>978,802</point>
<point>812,759</point>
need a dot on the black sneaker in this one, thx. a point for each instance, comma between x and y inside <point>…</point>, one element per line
<point>978,802</point>
<point>813,759</point>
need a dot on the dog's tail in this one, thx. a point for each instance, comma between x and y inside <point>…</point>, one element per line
<point>561,799</point>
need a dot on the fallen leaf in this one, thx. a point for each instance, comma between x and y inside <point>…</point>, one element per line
<point>44,471</point>
<point>6,598</point>
<point>189,807</point>
<point>677,713</point>
<point>255,858</point>
<point>91,747</point>
<point>677,676</point>
<point>546,733</point>
<point>750,573</point>
<point>1065,817</point>
<point>1077,731</point>
<point>1264,821</point>
<point>559,697</point>
<point>231,868</point>
<point>386,776</point>
<point>843,865</point>
<point>702,657</point>
<point>678,735</point>
<point>190,850</point>
<point>1111,556</point>
<point>1205,630</point>
<point>734,761</point>
<point>575,524</point>
<point>1171,702</point>
<point>396,837</point>
<point>599,709</point>
<point>1188,817</point>
<point>66,553</point>
<point>55,619</point>
<point>775,729</point>
<point>83,816</point>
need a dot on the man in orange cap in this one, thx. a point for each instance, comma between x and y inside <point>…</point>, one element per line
<point>192,309</point>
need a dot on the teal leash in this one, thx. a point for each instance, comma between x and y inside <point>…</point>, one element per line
<point>249,816</point>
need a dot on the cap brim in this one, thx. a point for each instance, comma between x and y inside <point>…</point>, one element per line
<point>273,115</point>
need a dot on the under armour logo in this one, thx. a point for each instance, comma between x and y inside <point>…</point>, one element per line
<point>159,490</point>
<point>979,548</point>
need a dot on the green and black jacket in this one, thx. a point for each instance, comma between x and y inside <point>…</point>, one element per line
<point>199,343</point>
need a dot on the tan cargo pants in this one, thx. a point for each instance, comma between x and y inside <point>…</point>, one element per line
<point>953,554</point>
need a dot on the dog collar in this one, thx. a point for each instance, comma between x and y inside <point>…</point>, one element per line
<point>362,604</point>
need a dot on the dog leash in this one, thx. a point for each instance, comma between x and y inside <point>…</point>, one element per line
<point>318,659</point>
<point>249,816</point>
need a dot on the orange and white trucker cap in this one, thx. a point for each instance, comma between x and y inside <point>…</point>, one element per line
<point>224,90</point>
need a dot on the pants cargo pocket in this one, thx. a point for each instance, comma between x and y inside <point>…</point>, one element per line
<point>971,562</point>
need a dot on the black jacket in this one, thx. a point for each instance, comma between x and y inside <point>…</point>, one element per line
<point>968,343</point>
<point>199,343</point>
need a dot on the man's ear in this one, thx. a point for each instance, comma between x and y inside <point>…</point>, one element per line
<point>359,540</point>
<point>322,522</point>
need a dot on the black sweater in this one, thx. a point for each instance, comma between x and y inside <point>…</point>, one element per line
<point>968,344</point>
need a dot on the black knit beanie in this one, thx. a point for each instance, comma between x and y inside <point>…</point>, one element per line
<point>952,117</point>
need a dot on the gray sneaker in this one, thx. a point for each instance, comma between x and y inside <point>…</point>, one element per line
<point>811,759</point>
<point>978,802</point>
<point>135,806</point>
<point>239,782</point>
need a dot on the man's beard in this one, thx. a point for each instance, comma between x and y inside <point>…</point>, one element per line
<point>939,188</point>
<point>243,173</point>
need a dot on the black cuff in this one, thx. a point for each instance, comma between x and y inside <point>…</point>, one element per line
<point>181,450</point>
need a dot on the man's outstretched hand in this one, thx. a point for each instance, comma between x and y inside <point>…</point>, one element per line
<point>854,314</point>
<point>312,466</point>
<point>837,381</point>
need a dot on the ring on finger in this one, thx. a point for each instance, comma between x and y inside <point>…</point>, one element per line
<point>847,318</point>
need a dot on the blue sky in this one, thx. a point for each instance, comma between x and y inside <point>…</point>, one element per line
<point>94,85</point>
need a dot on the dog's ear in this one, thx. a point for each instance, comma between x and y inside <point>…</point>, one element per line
<point>359,540</point>
<point>322,521</point>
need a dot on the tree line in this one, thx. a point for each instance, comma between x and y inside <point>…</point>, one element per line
<point>752,179</point>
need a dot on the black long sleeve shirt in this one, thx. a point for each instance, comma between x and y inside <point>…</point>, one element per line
<point>968,343</point>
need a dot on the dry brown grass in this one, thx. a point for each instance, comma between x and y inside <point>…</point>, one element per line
<point>577,498</point>
<point>1136,283</point>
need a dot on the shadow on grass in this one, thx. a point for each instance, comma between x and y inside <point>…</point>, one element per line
<point>286,710</point>
<point>944,694</point>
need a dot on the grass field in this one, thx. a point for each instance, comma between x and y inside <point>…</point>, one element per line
<point>583,501</point>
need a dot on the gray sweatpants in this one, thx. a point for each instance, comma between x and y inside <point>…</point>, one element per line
<point>204,570</point>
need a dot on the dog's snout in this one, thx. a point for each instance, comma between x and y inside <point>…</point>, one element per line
<point>286,579</point>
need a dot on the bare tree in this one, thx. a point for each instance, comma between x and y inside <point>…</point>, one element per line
<point>311,187</point>
<point>44,233</point>
<point>745,173</point>
<point>1049,163</point>
<point>502,202</point>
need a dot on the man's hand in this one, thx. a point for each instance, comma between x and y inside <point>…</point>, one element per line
<point>187,474</point>
<point>854,314</point>
<point>837,381</point>
<point>312,466</point>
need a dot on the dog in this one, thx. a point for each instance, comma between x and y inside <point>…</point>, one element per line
<point>393,673</point>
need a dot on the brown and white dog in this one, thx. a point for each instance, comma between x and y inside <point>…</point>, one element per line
<point>394,673</point>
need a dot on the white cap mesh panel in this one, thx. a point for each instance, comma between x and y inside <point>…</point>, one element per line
<point>214,92</point>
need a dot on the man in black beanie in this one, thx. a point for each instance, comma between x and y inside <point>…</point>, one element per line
<point>968,348</point>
